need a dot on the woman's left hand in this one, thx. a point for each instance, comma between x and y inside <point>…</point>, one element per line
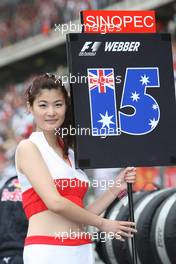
<point>128,175</point>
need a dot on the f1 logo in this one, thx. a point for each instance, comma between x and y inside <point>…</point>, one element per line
<point>91,45</point>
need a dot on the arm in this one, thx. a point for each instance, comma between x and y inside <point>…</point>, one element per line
<point>33,166</point>
<point>120,185</point>
<point>102,202</point>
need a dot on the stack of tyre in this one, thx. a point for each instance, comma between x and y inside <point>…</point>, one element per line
<point>155,217</point>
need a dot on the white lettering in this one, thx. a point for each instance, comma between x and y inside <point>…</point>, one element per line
<point>145,21</point>
<point>109,46</point>
<point>127,20</point>
<point>138,21</point>
<point>122,46</point>
<point>137,44</point>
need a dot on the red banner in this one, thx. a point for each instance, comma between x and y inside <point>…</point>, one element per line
<point>170,177</point>
<point>147,178</point>
<point>114,21</point>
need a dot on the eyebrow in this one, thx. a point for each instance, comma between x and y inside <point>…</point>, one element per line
<point>44,101</point>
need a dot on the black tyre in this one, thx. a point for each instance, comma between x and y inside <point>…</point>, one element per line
<point>144,213</point>
<point>163,232</point>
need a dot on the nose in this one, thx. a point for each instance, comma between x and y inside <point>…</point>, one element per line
<point>51,111</point>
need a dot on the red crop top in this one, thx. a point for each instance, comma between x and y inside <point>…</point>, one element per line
<point>70,182</point>
<point>74,190</point>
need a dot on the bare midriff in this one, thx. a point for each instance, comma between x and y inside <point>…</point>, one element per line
<point>48,223</point>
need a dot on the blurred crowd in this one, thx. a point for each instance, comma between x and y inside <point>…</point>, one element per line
<point>15,124</point>
<point>20,19</point>
<point>29,18</point>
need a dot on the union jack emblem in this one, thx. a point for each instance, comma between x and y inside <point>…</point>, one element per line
<point>101,79</point>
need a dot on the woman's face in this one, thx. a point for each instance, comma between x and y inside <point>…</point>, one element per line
<point>48,110</point>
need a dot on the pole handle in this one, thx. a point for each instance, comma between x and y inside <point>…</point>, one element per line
<point>131,214</point>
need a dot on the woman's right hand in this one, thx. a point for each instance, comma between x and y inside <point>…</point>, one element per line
<point>121,229</point>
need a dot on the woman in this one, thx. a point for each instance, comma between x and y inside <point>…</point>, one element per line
<point>46,170</point>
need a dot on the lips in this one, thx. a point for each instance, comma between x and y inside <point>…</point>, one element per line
<point>51,121</point>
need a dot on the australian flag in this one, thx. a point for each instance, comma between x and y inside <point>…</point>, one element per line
<point>102,101</point>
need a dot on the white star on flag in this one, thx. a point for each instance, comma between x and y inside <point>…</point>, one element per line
<point>6,259</point>
<point>153,123</point>
<point>135,96</point>
<point>144,79</point>
<point>106,120</point>
<point>154,106</point>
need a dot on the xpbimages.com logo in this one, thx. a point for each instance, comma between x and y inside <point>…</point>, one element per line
<point>90,48</point>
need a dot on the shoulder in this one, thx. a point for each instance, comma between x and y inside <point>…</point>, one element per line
<point>24,146</point>
<point>24,149</point>
<point>27,154</point>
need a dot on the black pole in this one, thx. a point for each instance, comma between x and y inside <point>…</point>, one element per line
<point>131,213</point>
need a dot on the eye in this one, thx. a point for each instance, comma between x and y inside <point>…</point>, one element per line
<point>59,104</point>
<point>42,105</point>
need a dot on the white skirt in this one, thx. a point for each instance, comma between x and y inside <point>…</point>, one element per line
<point>58,254</point>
